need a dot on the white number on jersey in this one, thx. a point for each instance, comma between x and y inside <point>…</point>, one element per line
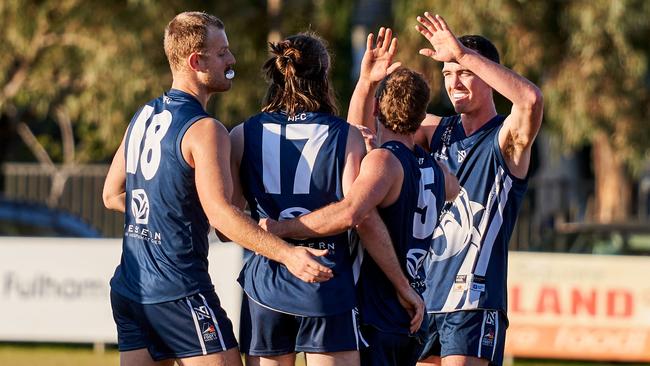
<point>423,226</point>
<point>315,134</point>
<point>150,156</point>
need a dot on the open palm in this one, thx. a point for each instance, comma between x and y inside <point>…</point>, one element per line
<point>446,47</point>
<point>377,61</point>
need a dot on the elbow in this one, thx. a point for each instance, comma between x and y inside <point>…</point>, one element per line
<point>108,200</point>
<point>534,100</point>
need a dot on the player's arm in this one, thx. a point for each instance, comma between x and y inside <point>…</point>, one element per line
<point>369,190</point>
<point>522,125</point>
<point>206,146</point>
<point>377,62</point>
<point>114,192</point>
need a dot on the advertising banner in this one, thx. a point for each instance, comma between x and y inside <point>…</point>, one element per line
<point>57,289</point>
<point>576,306</point>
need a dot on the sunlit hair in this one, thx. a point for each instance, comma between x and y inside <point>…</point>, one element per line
<point>481,45</point>
<point>402,97</point>
<point>187,33</point>
<point>298,73</point>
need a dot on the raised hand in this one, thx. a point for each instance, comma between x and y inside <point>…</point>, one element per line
<point>446,47</point>
<point>377,61</point>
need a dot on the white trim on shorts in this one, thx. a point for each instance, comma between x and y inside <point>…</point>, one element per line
<point>216,324</point>
<point>196,325</point>
<point>496,333</point>
<point>480,340</point>
<point>357,334</point>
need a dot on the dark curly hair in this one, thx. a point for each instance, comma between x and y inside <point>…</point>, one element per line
<point>298,73</point>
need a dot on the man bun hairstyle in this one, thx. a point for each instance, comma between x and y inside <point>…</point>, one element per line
<point>402,97</point>
<point>482,45</point>
<point>187,33</point>
<point>298,76</point>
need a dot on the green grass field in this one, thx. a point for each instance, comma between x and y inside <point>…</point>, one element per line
<point>67,355</point>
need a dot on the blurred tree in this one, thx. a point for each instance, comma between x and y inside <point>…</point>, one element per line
<point>591,60</point>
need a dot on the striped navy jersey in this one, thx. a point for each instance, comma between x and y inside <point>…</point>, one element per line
<point>292,166</point>
<point>467,265</point>
<point>165,245</point>
<point>411,221</point>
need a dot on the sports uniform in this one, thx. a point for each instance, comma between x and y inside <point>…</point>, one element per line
<point>291,166</point>
<point>410,220</point>
<point>467,265</point>
<point>161,293</point>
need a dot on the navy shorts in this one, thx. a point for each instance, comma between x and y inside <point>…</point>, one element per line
<point>389,349</point>
<point>266,332</point>
<point>192,326</point>
<point>476,333</point>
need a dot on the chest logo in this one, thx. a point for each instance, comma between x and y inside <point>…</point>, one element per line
<point>458,228</point>
<point>462,154</point>
<point>140,206</point>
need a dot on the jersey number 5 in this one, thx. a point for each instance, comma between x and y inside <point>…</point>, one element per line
<point>150,156</point>
<point>315,134</point>
<point>425,217</point>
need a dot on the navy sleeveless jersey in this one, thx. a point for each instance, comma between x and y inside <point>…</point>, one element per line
<point>292,166</point>
<point>467,265</point>
<point>165,245</point>
<point>411,221</point>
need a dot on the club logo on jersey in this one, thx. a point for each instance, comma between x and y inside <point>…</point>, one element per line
<point>209,332</point>
<point>458,228</point>
<point>202,312</point>
<point>292,213</point>
<point>414,259</point>
<point>140,206</point>
<point>461,155</point>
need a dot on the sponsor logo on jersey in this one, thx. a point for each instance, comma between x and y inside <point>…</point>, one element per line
<point>414,259</point>
<point>140,206</point>
<point>488,338</point>
<point>209,332</point>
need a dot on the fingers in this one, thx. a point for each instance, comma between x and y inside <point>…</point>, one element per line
<point>416,320</point>
<point>442,23</point>
<point>388,40</point>
<point>434,21</point>
<point>427,24</point>
<point>393,67</point>
<point>369,41</point>
<point>317,252</point>
<point>427,52</point>
<point>393,47</point>
<point>380,37</point>
<point>424,31</point>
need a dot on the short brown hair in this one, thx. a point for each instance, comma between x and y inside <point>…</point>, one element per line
<point>298,73</point>
<point>187,33</point>
<point>402,97</point>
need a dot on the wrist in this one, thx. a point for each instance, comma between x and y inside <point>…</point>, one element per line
<point>366,83</point>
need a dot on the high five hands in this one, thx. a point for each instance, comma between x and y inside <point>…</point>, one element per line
<point>446,47</point>
<point>377,61</point>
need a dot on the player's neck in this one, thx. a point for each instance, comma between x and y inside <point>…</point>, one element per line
<point>407,140</point>
<point>193,89</point>
<point>474,120</point>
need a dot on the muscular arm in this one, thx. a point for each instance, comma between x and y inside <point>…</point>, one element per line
<point>380,171</point>
<point>522,125</point>
<point>114,194</point>
<point>207,146</point>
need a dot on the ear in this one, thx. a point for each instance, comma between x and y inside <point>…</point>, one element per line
<point>194,61</point>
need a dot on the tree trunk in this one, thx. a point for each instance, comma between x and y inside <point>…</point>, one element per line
<point>613,189</point>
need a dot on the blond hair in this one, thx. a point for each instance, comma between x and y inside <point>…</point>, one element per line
<point>187,33</point>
